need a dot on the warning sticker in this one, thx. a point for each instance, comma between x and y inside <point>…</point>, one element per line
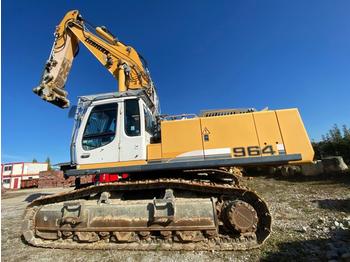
<point>281,150</point>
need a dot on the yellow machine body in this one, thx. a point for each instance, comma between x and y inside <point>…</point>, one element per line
<point>247,135</point>
<point>239,135</point>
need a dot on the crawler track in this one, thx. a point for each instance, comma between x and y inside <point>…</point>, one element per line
<point>223,239</point>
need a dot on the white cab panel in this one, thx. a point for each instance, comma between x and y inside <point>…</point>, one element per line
<point>132,141</point>
<point>94,149</point>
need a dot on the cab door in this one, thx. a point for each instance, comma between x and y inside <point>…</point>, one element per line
<point>97,140</point>
<point>132,143</point>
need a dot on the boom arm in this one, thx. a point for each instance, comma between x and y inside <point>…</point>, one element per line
<point>122,61</point>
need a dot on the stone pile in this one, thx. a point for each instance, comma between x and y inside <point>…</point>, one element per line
<point>54,178</point>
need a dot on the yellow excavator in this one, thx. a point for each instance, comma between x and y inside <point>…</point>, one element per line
<point>159,182</point>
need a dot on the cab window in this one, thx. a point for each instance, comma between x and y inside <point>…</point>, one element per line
<point>148,121</point>
<point>101,126</point>
<point>132,117</point>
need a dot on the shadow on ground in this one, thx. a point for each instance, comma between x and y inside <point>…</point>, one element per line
<point>342,205</point>
<point>9,194</point>
<point>34,196</point>
<point>331,178</point>
<point>336,247</point>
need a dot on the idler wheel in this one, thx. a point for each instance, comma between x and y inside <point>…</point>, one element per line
<point>241,216</point>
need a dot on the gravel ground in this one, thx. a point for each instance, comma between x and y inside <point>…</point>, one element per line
<point>311,222</point>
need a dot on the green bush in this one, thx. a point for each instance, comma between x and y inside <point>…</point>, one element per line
<point>335,143</point>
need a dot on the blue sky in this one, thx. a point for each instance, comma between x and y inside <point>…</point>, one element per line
<point>202,55</point>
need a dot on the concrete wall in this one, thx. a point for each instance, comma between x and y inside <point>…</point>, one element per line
<point>34,168</point>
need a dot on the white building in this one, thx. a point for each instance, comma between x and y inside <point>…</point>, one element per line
<point>12,174</point>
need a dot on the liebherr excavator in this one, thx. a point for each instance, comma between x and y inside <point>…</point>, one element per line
<point>158,180</point>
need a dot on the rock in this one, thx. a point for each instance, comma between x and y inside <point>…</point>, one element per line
<point>343,250</point>
<point>331,254</point>
<point>313,169</point>
<point>330,246</point>
<point>303,229</point>
<point>346,257</point>
<point>321,219</point>
<point>334,164</point>
<point>336,223</point>
<point>346,222</point>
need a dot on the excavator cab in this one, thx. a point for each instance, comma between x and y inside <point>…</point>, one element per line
<point>111,128</point>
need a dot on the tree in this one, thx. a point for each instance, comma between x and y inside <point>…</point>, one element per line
<point>346,132</point>
<point>335,134</point>
<point>48,161</point>
<point>34,160</point>
<point>335,143</point>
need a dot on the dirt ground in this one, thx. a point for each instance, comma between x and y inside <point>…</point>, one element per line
<point>311,222</point>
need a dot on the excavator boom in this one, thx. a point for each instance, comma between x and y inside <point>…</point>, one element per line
<point>122,61</point>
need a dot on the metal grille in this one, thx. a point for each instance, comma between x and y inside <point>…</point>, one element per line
<point>225,112</point>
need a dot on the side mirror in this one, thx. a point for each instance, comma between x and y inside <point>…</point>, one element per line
<point>72,110</point>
